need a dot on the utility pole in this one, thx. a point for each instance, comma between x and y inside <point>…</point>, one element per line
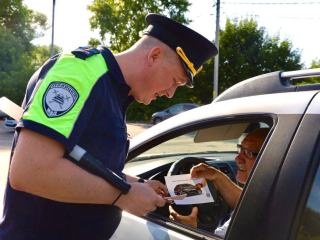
<point>54,3</point>
<point>216,58</point>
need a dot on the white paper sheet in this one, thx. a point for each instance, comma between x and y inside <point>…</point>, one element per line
<point>180,184</point>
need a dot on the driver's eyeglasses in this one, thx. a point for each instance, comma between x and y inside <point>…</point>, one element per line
<point>247,153</point>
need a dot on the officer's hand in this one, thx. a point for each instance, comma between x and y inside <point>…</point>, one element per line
<point>190,220</point>
<point>140,200</point>
<point>158,187</point>
<point>204,171</point>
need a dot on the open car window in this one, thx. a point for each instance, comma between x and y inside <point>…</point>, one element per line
<point>216,144</point>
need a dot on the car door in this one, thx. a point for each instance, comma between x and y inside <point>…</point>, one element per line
<point>294,200</point>
<point>251,205</point>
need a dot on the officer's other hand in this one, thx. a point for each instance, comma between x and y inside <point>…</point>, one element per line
<point>158,187</point>
<point>140,199</point>
<point>190,220</point>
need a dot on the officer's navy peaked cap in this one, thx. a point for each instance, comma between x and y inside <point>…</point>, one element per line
<point>194,49</point>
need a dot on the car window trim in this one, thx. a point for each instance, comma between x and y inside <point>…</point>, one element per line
<point>194,233</point>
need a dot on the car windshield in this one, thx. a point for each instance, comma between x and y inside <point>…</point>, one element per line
<point>186,145</point>
<point>218,139</point>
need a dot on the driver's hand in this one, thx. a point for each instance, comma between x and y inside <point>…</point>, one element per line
<point>204,182</point>
<point>190,220</point>
<point>158,187</point>
<point>204,171</point>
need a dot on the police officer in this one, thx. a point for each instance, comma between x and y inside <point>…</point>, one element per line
<point>80,98</point>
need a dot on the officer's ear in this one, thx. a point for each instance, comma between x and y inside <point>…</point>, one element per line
<point>155,55</point>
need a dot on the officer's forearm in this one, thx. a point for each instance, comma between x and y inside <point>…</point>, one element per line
<point>39,168</point>
<point>65,182</point>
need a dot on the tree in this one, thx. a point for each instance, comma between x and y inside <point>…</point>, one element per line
<point>42,53</point>
<point>94,42</point>
<point>18,27</point>
<point>245,51</point>
<point>12,65</point>
<point>124,20</point>
<point>23,22</point>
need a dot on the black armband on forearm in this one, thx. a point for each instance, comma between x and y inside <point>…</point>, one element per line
<point>90,164</point>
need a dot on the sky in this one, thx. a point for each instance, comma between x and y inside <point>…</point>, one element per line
<point>296,20</point>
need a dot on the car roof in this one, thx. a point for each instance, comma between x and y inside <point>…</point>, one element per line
<point>270,83</point>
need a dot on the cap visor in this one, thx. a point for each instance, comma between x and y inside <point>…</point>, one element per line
<point>189,83</point>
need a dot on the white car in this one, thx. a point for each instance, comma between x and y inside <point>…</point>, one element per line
<point>281,197</point>
<point>10,122</point>
<point>2,115</point>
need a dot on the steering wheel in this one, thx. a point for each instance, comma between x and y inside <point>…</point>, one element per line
<point>209,214</point>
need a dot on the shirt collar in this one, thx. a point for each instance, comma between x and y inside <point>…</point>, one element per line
<point>112,64</point>
<point>115,70</point>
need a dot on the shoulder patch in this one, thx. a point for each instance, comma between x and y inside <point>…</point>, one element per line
<point>59,99</point>
<point>85,52</point>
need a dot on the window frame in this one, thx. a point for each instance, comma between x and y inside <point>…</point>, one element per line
<point>241,118</point>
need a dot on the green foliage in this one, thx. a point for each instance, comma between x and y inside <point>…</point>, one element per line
<point>124,20</point>
<point>312,80</point>
<point>13,66</point>
<point>42,53</point>
<point>94,42</point>
<point>18,27</point>
<point>247,51</point>
<point>23,22</point>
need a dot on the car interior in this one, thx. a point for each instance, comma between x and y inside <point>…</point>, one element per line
<point>175,153</point>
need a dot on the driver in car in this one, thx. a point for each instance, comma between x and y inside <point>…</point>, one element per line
<point>248,151</point>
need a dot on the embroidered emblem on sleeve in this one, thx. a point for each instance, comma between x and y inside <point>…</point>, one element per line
<point>59,99</point>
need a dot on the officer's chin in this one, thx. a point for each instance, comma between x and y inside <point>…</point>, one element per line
<point>144,101</point>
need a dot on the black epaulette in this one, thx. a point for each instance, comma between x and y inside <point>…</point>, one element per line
<point>85,52</point>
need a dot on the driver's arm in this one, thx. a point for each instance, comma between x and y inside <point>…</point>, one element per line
<point>228,189</point>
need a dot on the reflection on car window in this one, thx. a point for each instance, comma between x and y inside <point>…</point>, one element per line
<point>310,222</point>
